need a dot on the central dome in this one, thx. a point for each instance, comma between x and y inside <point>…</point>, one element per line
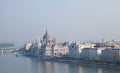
<point>46,37</point>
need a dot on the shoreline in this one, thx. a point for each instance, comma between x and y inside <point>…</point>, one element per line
<point>81,62</point>
<point>73,61</point>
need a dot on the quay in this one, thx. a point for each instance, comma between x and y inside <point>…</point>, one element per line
<point>73,61</point>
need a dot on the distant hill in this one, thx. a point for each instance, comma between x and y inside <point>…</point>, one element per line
<point>3,45</point>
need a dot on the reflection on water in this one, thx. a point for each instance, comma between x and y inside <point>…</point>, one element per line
<point>9,63</point>
<point>99,70</point>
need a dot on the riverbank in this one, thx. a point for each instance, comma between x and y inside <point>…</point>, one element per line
<point>53,59</point>
<point>79,62</point>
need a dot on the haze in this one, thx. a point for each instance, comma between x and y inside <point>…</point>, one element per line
<point>65,20</point>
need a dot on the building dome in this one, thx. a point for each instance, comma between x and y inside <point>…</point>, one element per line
<point>46,37</point>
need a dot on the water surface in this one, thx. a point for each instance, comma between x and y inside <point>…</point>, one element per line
<point>9,63</point>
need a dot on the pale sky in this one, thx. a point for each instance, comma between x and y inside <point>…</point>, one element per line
<point>65,20</point>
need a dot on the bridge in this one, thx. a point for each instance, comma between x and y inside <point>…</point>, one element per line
<point>8,49</point>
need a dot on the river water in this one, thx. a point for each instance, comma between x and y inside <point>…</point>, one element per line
<point>9,63</point>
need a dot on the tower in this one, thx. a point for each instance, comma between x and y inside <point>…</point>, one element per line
<point>46,36</point>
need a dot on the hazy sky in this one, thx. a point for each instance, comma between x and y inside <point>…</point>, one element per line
<point>65,20</point>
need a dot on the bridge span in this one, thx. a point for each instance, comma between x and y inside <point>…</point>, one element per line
<point>8,49</point>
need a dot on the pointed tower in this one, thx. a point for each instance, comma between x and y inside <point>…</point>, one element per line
<point>46,31</point>
<point>46,36</point>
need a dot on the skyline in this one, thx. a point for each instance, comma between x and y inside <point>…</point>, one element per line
<point>26,20</point>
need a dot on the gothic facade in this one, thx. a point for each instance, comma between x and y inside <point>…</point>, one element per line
<point>47,47</point>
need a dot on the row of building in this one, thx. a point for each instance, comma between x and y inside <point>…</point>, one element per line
<point>83,51</point>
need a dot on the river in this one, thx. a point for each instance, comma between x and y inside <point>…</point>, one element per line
<point>9,63</point>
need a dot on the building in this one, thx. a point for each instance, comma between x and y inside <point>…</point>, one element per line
<point>47,47</point>
<point>75,49</point>
<point>116,45</point>
<point>111,55</point>
<point>60,50</point>
<point>91,54</point>
<point>28,46</point>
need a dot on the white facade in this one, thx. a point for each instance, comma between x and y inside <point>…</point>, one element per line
<point>28,46</point>
<point>91,54</point>
<point>48,51</point>
<point>75,49</point>
<point>60,50</point>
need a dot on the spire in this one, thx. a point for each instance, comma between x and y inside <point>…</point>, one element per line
<point>46,31</point>
<point>46,36</point>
